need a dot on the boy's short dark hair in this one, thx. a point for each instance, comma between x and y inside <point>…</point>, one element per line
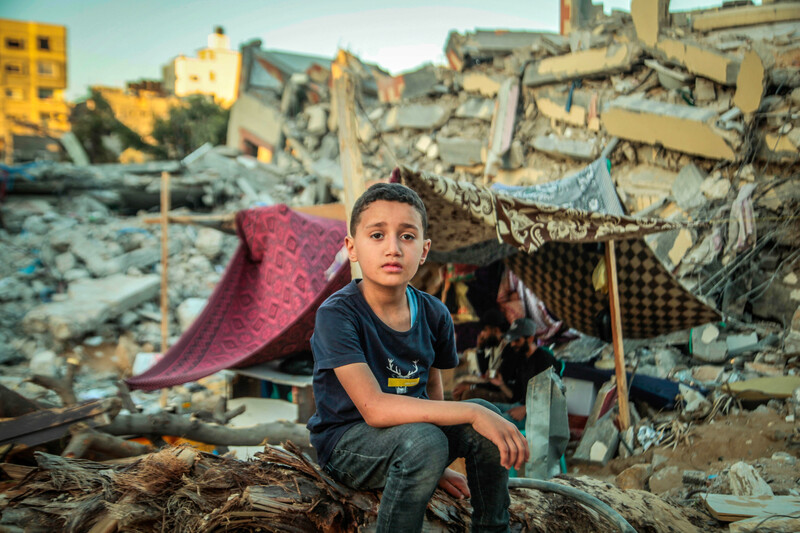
<point>391,192</point>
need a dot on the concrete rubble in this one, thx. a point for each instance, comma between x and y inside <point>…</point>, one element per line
<point>706,109</point>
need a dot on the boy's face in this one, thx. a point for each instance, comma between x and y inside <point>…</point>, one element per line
<point>389,244</point>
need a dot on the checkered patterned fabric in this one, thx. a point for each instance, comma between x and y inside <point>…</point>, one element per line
<point>652,302</point>
<point>560,252</point>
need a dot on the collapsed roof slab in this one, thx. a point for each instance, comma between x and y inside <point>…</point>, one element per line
<point>746,16</point>
<point>699,60</point>
<point>552,103</point>
<point>617,57</point>
<point>677,127</point>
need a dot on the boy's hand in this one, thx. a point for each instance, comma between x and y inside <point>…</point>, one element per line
<point>512,445</point>
<point>518,412</point>
<point>455,484</point>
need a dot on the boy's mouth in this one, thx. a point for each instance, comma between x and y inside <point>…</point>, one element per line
<point>392,267</point>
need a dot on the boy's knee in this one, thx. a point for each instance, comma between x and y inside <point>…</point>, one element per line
<point>425,441</point>
<point>489,405</point>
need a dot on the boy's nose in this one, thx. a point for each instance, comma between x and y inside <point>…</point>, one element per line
<point>392,246</point>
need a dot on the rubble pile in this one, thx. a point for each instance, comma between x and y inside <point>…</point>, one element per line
<point>698,114</point>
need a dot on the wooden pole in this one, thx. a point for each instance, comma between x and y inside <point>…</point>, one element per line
<point>165,206</point>
<point>349,154</point>
<point>616,331</point>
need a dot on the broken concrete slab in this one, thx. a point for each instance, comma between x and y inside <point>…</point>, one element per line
<point>739,344</point>
<point>552,103</point>
<point>421,82</point>
<point>698,59</point>
<point>582,150</point>
<point>476,82</point>
<point>501,133</point>
<point>478,108</point>
<point>599,441</point>
<point>706,347</point>
<point>645,185</point>
<point>91,302</point>
<point>750,83</point>
<point>649,16</point>
<point>686,187</point>
<point>460,151</point>
<point>679,127</point>
<point>415,116</point>
<point>746,16</point>
<point>617,57</point>
<point>251,120</point>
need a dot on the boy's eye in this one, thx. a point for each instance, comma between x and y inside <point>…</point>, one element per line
<point>375,235</point>
<point>408,236</point>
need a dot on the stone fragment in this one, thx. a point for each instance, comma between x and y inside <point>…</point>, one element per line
<point>44,363</point>
<point>707,373</point>
<point>209,242</point>
<point>750,83</point>
<point>634,477</point>
<point>704,90</point>
<point>739,344</point>
<point>477,108</point>
<point>317,116</point>
<point>566,148</point>
<point>686,187</point>
<point>666,479</point>
<point>423,143</point>
<point>746,481</point>
<point>188,311</point>
<point>475,82</point>
<point>460,151</point>
<point>705,345</point>
<point>715,187</point>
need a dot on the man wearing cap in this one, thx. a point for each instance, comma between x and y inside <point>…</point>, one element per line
<point>487,352</point>
<point>528,361</point>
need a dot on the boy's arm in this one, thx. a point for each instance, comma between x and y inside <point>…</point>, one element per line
<point>435,387</point>
<point>380,409</point>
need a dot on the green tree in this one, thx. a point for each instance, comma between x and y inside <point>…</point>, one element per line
<point>190,126</point>
<point>93,120</point>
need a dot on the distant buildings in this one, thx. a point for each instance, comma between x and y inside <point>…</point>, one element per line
<point>33,76</point>
<point>215,71</point>
<point>139,105</point>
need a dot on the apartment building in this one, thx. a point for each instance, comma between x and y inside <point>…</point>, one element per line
<point>33,77</point>
<point>215,71</point>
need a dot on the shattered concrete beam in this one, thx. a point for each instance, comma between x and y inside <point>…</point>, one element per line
<point>750,83</point>
<point>616,57</point>
<point>552,104</point>
<point>566,148</point>
<point>746,16</point>
<point>677,127</point>
<point>699,60</point>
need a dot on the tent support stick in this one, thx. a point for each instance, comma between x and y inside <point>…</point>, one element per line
<point>349,154</point>
<point>616,330</point>
<point>165,206</point>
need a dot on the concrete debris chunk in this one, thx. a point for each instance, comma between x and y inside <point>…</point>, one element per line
<point>746,481</point>
<point>617,57</point>
<point>679,127</point>
<point>566,148</point>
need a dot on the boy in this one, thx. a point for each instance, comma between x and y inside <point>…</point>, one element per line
<point>378,346</point>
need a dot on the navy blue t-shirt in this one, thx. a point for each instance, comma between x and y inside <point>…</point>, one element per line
<point>348,331</point>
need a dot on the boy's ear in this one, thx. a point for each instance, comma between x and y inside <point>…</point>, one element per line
<point>351,249</point>
<point>426,247</point>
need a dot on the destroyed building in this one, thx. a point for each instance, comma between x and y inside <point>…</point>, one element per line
<point>694,116</point>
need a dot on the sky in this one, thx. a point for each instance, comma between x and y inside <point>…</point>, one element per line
<point>111,42</point>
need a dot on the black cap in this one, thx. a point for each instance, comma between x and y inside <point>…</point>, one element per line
<point>522,327</point>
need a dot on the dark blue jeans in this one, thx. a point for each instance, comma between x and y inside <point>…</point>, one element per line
<point>408,460</point>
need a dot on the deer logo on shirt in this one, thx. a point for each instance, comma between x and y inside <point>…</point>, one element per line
<point>400,382</point>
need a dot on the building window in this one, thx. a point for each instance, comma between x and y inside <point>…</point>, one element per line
<point>194,78</point>
<point>212,76</point>
<point>47,68</point>
<point>13,68</point>
<point>45,94</point>
<point>12,43</point>
<point>15,93</point>
<point>44,43</point>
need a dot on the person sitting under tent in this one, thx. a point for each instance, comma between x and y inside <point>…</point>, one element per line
<point>487,354</point>
<point>529,360</point>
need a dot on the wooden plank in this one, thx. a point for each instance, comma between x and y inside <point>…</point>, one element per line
<point>729,508</point>
<point>164,279</point>
<point>616,331</point>
<point>50,424</point>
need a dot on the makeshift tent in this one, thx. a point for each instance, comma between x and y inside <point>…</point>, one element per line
<point>473,224</point>
<point>264,306</point>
